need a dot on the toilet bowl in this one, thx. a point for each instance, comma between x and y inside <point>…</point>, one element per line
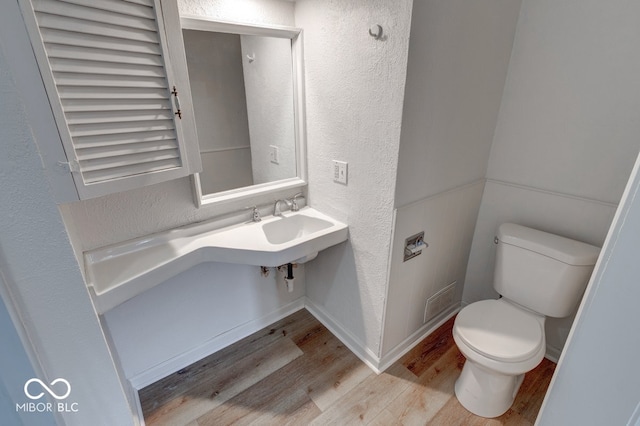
<point>501,342</point>
<point>537,275</point>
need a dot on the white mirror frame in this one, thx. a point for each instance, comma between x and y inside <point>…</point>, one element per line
<point>192,22</point>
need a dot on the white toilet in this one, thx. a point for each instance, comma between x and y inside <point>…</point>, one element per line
<point>537,274</point>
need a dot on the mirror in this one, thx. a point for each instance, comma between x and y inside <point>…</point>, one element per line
<point>246,84</point>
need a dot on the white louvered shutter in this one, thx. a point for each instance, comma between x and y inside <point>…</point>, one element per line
<point>110,67</point>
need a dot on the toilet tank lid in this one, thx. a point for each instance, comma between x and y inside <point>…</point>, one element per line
<point>563,249</point>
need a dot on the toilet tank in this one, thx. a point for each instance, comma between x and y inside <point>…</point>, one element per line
<point>544,272</point>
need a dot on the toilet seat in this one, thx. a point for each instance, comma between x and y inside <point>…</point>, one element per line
<point>500,331</point>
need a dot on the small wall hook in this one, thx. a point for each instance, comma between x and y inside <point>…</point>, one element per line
<point>251,57</point>
<point>375,31</point>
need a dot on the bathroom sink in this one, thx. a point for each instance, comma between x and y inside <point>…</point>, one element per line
<point>121,271</point>
<point>289,228</point>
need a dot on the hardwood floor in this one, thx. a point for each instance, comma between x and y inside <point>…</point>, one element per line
<point>296,372</point>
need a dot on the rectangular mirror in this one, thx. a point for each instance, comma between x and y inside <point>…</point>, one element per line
<point>247,89</point>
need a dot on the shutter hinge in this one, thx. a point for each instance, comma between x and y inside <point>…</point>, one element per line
<point>69,166</point>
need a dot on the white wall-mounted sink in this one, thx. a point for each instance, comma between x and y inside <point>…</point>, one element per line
<point>119,272</point>
<point>293,227</point>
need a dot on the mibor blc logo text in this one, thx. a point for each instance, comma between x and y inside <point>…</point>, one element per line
<point>59,389</point>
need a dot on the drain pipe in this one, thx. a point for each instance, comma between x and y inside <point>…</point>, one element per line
<point>289,279</point>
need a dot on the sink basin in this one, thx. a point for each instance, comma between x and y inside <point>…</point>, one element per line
<point>290,228</point>
<point>121,271</point>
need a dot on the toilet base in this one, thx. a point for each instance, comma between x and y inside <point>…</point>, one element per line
<point>484,392</point>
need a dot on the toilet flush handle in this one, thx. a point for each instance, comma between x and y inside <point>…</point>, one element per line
<point>495,240</point>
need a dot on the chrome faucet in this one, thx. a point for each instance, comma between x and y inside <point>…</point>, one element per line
<point>276,206</point>
<point>255,214</point>
<point>291,203</point>
<point>294,202</point>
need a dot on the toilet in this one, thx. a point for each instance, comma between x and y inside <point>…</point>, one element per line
<point>537,274</point>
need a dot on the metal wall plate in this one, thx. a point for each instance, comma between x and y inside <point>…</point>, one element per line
<point>413,241</point>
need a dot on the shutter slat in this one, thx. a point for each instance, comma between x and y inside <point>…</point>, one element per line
<point>127,160</point>
<point>91,67</point>
<point>83,13</point>
<point>69,38</point>
<point>87,142</point>
<point>118,6</point>
<point>95,28</point>
<point>80,79</point>
<point>148,3</point>
<point>129,149</point>
<point>85,105</point>
<point>115,128</point>
<point>99,117</point>
<point>102,55</point>
<point>130,170</point>
<point>83,92</point>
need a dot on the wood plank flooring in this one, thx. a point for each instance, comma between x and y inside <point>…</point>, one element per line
<point>296,372</point>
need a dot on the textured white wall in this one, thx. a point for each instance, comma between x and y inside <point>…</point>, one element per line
<point>269,87</point>
<point>458,59</point>
<point>596,381</point>
<point>355,87</point>
<point>38,264</point>
<point>567,132</point>
<point>272,12</point>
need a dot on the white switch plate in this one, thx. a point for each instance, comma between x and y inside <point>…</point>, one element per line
<point>273,154</point>
<point>340,171</point>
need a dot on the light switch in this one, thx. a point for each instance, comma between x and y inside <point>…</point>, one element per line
<point>340,171</point>
<point>273,154</point>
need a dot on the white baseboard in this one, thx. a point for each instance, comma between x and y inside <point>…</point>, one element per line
<point>221,341</point>
<point>138,415</point>
<point>410,342</point>
<point>553,354</point>
<point>350,341</point>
